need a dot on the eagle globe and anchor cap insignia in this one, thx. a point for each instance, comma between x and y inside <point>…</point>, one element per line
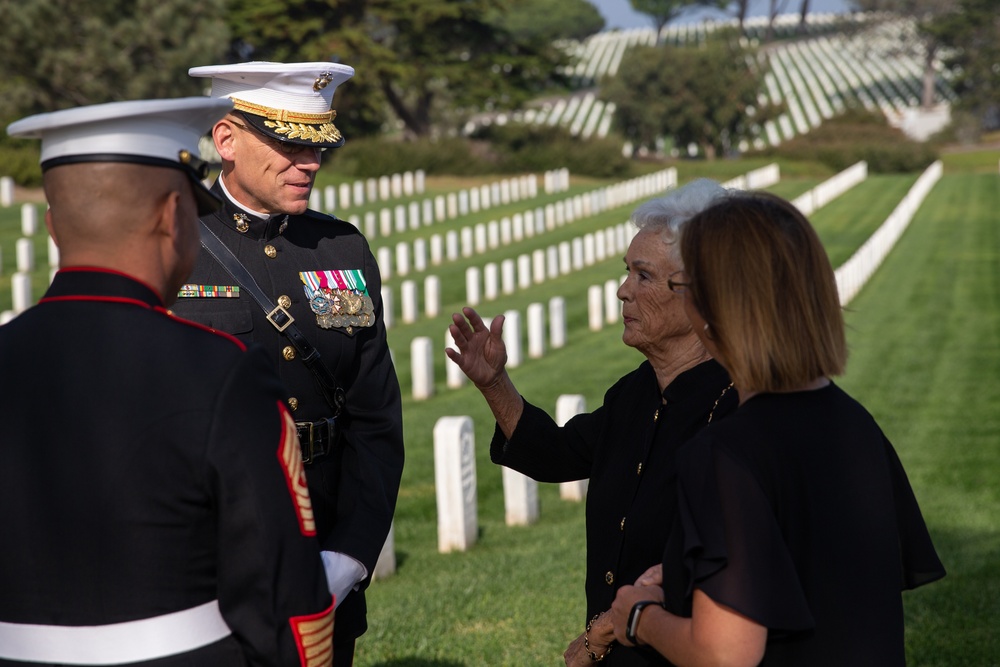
<point>288,102</point>
<point>339,298</point>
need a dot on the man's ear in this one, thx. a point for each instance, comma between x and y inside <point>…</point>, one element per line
<point>49,226</point>
<point>166,220</point>
<point>224,136</point>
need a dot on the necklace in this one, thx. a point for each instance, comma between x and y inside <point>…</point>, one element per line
<point>712,413</point>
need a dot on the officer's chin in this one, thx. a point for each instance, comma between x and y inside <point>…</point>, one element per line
<point>296,206</point>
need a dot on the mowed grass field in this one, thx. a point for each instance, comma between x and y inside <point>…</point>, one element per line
<point>925,357</point>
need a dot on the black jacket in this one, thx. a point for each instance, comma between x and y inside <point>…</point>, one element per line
<point>139,474</point>
<point>354,491</point>
<point>627,448</point>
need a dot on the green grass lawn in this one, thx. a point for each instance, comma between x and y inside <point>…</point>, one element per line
<point>925,360</point>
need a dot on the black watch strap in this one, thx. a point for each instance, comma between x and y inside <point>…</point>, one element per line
<point>280,318</point>
<point>632,625</point>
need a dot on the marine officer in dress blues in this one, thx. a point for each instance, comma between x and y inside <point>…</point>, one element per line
<point>153,501</point>
<point>318,278</point>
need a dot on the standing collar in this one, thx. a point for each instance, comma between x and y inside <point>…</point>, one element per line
<point>89,282</point>
<point>245,221</point>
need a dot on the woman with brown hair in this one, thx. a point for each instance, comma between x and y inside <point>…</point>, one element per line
<point>798,525</point>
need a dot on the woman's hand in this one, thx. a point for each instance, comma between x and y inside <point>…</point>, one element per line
<point>651,577</point>
<point>625,599</point>
<point>599,638</point>
<point>481,353</point>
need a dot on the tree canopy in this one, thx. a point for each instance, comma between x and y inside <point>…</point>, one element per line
<point>707,95</point>
<point>550,20</point>
<point>971,37</point>
<point>663,12</point>
<point>64,53</point>
<point>429,61</point>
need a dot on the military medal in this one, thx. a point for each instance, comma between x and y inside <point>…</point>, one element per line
<point>339,298</point>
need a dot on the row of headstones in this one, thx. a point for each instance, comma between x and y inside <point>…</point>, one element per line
<point>814,77</point>
<point>482,237</point>
<point>819,196</point>
<point>422,347</point>
<point>510,275</point>
<point>371,190</point>
<point>333,198</point>
<point>756,179</point>
<point>455,481</point>
<point>492,280</point>
<point>20,284</point>
<point>855,272</point>
<point>602,308</point>
<point>6,191</point>
<point>545,264</point>
<point>453,205</point>
<point>601,56</point>
<point>598,55</point>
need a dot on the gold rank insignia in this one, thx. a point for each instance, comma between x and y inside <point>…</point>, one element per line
<point>314,638</point>
<point>290,455</point>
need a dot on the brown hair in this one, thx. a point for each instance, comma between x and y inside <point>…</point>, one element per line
<point>763,282</point>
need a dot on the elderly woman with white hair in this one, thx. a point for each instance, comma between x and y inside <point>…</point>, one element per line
<point>627,446</point>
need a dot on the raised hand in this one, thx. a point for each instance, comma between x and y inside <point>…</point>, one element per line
<point>481,352</point>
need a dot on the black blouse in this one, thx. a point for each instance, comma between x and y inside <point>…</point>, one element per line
<point>796,512</point>
<point>627,448</point>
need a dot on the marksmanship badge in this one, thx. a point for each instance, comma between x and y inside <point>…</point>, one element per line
<point>339,298</point>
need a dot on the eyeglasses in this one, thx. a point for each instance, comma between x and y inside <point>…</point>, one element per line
<point>282,147</point>
<point>676,286</point>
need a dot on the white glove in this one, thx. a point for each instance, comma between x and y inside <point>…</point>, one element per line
<point>343,574</point>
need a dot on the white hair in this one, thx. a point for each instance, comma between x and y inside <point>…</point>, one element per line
<point>669,213</point>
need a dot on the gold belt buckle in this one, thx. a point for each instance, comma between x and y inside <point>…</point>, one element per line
<point>280,327</point>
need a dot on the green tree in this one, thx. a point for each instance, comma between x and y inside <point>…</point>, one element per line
<point>924,42</point>
<point>64,53</point>
<point>550,20</point>
<point>431,62</point>
<point>971,35</point>
<point>706,95</point>
<point>663,12</point>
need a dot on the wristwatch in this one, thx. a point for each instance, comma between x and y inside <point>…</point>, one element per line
<point>632,625</point>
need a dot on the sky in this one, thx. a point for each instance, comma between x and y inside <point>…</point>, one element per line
<point>619,13</point>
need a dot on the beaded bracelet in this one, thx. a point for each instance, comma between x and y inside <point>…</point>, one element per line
<point>586,642</point>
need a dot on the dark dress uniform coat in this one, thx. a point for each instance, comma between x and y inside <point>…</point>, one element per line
<point>353,489</point>
<point>140,475</point>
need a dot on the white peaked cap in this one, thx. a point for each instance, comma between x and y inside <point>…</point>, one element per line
<point>157,129</point>
<point>161,133</point>
<point>287,101</point>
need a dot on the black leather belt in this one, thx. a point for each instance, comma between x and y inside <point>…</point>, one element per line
<point>317,439</point>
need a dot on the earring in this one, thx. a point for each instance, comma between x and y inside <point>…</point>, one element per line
<point>708,331</point>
